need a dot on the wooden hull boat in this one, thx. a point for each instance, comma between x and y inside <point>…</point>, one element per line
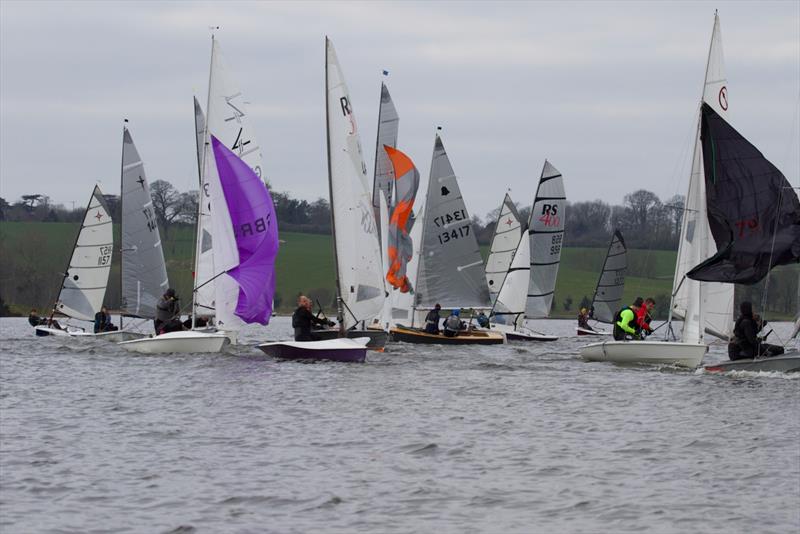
<point>466,337</point>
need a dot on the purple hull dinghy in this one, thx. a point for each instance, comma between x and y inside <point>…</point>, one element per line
<point>336,350</point>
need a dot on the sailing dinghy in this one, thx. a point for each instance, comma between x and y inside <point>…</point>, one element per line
<point>83,286</point>
<point>450,268</point>
<point>360,289</point>
<point>336,350</point>
<point>505,239</point>
<point>237,210</point>
<point>610,286</point>
<point>691,298</point>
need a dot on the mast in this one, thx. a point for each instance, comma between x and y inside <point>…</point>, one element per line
<point>375,167</point>
<point>339,310</point>
<point>198,231</point>
<point>121,219</point>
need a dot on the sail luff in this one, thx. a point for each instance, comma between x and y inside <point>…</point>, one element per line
<point>339,294</point>
<point>383,173</point>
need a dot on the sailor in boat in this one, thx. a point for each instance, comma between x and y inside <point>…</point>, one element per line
<point>583,319</point>
<point>483,320</point>
<point>34,320</point>
<point>432,320</point>
<point>625,325</point>
<point>453,324</point>
<point>168,313</point>
<point>303,319</point>
<point>644,316</point>
<point>745,343</point>
<point>102,321</point>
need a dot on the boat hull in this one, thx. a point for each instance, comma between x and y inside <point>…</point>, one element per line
<point>522,334</point>
<point>185,342</point>
<point>647,352</point>
<point>472,337</point>
<point>585,332</point>
<point>377,338</point>
<point>116,336</point>
<point>336,350</point>
<point>785,363</point>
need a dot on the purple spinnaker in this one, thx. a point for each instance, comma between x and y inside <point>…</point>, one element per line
<point>255,228</point>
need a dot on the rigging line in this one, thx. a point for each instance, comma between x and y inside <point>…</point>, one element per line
<point>771,254</point>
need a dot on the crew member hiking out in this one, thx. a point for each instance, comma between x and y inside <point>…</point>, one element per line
<point>303,319</point>
<point>745,343</point>
<point>432,320</point>
<point>625,325</point>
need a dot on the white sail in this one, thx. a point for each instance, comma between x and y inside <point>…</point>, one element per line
<point>355,233</point>
<point>507,232</point>
<point>546,234</point>
<point>143,271</point>
<point>450,269</point>
<point>203,301</point>
<point>84,286</point>
<point>611,284</point>
<point>509,308</point>
<point>227,121</point>
<point>714,301</point>
<point>386,313</point>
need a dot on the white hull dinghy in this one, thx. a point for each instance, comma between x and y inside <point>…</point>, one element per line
<point>645,352</point>
<point>115,336</point>
<point>338,350</point>
<point>785,363</point>
<point>522,333</point>
<point>587,332</point>
<point>183,342</point>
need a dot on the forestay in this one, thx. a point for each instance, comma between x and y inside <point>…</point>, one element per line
<point>450,269</point>
<point>228,122</point>
<point>388,125</point>
<point>84,285</point>
<point>611,284</point>
<point>507,233</point>
<point>546,235</point>
<point>355,233</point>
<point>509,308</point>
<point>144,274</point>
<point>695,243</point>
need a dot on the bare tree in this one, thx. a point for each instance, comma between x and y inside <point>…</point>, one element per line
<point>166,200</point>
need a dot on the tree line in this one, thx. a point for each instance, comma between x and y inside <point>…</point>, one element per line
<point>645,220</point>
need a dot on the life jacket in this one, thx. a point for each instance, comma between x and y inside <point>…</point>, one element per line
<point>618,315</point>
<point>453,323</point>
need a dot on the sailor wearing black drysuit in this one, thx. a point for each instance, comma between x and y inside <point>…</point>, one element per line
<point>303,319</point>
<point>745,343</point>
<point>432,320</point>
<point>168,313</point>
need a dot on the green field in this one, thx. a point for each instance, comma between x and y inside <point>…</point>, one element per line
<point>33,255</point>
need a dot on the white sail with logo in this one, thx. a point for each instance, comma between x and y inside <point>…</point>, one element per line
<point>696,243</point>
<point>355,233</point>
<point>227,120</point>
<point>546,234</point>
<point>450,268</point>
<point>86,278</point>
<point>143,271</point>
<point>507,232</point>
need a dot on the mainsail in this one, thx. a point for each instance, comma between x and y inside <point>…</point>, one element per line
<point>450,268</point>
<point>355,234</point>
<point>84,285</point>
<point>546,234</point>
<point>611,284</point>
<point>143,272</point>
<point>507,233</point>
<point>227,121</point>
<point>249,259</point>
<point>388,125</point>
<point>753,212</point>
<point>712,301</point>
<point>509,308</point>
<point>400,249</point>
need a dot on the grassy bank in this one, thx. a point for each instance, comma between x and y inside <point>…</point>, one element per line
<point>34,255</point>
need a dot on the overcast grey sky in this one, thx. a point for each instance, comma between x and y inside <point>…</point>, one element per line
<point>606,91</point>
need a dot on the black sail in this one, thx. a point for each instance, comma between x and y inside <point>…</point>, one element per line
<point>753,212</point>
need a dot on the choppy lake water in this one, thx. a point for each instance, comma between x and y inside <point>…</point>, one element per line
<point>515,438</point>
